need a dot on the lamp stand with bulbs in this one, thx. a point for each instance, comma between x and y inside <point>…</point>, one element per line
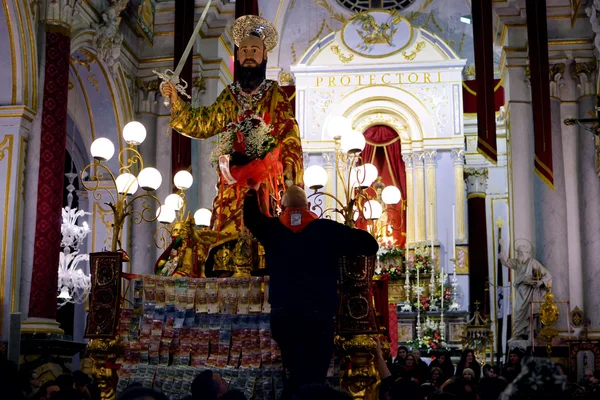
<point>104,346</point>
<point>355,346</point>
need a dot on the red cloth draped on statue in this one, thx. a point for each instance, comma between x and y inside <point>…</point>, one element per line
<point>384,150</point>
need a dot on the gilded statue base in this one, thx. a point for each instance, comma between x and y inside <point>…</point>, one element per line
<point>103,353</point>
<point>358,372</point>
<point>238,256</point>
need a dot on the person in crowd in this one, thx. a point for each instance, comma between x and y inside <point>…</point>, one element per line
<point>399,361</point>
<point>421,365</point>
<point>443,362</point>
<point>47,390</point>
<point>513,367</point>
<point>81,383</point>
<point>208,385</point>
<point>436,377</point>
<point>468,374</point>
<point>489,371</point>
<point>30,383</point>
<point>410,371</point>
<point>141,393</point>
<point>539,379</point>
<point>9,379</point>
<point>468,361</point>
<point>302,254</point>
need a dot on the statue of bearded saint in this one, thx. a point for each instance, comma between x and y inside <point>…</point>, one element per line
<point>531,284</point>
<point>252,94</point>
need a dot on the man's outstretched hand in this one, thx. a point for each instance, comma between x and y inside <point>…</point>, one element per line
<point>168,90</point>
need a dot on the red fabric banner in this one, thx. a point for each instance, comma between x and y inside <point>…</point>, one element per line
<point>181,146</point>
<point>470,96</point>
<point>384,150</point>
<point>484,71</point>
<point>537,33</point>
<point>44,278</point>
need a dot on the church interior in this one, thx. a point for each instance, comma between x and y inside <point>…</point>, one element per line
<point>463,135</point>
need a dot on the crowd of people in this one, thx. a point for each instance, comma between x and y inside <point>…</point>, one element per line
<point>407,377</point>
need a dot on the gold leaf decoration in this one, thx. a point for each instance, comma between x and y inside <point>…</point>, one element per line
<point>413,54</point>
<point>343,58</point>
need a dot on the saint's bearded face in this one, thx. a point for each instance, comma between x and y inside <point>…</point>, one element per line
<point>522,255</point>
<point>252,58</point>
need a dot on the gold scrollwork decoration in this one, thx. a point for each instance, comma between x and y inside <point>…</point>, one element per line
<point>343,58</point>
<point>85,59</point>
<point>413,54</point>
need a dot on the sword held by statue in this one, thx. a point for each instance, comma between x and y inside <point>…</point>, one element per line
<point>173,76</point>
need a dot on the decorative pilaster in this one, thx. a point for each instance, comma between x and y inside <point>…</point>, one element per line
<point>584,74</point>
<point>478,257</point>
<point>420,196</point>
<point>459,162</point>
<point>430,159</point>
<point>557,72</point>
<point>476,179</point>
<point>410,200</point>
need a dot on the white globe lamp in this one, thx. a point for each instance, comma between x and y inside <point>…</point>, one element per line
<point>202,217</point>
<point>372,209</point>
<point>183,180</point>
<point>102,149</point>
<point>370,174</point>
<point>391,195</point>
<point>315,177</point>
<point>337,126</point>
<point>353,142</point>
<point>174,201</point>
<point>165,214</point>
<point>126,184</point>
<point>134,133</point>
<point>149,178</point>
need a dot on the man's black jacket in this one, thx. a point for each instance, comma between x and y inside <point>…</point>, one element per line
<point>303,265</point>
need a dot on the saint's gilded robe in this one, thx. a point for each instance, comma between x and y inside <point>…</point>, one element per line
<point>206,122</point>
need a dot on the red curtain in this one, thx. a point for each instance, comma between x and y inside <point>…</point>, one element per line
<point>384,150</point>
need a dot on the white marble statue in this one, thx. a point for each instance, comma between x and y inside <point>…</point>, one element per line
<point>592,12</point>
<point>107,40</point>
<point>532,283</point>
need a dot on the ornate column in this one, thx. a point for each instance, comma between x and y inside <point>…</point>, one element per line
<point>570,142</point>
<point>588,157</point>
<point>521,153</point>
<point>459,182</point>
<point>476,179</point>
<point>57,16</point>
<point>431,206</point>
<point>329,165</point>
<point>420,196</point>
<point>410,201</point>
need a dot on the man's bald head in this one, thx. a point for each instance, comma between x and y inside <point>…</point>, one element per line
<point>295,197</point>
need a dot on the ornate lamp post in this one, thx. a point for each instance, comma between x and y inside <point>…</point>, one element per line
<point>356,326</point>
<point>105,267</point>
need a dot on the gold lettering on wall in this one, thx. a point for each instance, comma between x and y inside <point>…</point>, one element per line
<point>379,79</point>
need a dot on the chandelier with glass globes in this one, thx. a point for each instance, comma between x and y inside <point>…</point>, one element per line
<point>352,201</point>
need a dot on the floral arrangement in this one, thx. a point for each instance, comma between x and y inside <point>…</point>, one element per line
<point>390,260</point>
<point>245,139</point>
<point>421,260</point>
<point>431,339</point>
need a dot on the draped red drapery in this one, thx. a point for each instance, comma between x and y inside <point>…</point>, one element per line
<point>384,150</point>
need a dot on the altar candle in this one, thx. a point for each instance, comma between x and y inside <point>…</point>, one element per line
<point>454,236</point>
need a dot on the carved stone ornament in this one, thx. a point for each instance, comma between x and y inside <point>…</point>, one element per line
<point>59,12</point>
<point>584,74</point>
<point>557,72</point>
<point>107,39</point>
<point>476,179</point>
